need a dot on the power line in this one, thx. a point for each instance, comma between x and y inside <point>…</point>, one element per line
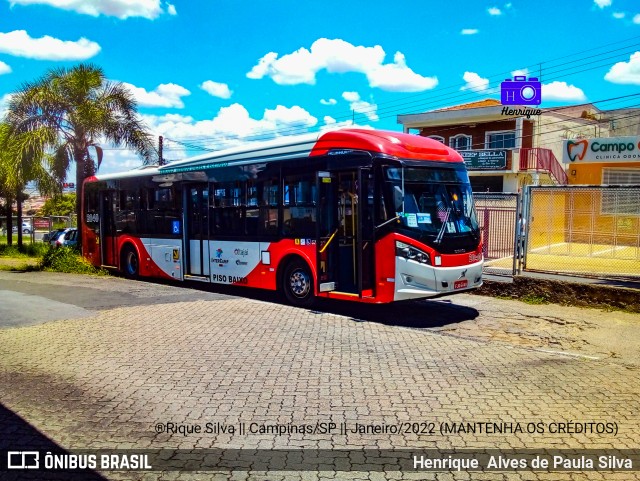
<point>391,108</point>
<point>443,96</point>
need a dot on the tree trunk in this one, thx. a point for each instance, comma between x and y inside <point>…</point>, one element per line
<point>9,221</point>
<point>19,212</point>
<point>80,176</point>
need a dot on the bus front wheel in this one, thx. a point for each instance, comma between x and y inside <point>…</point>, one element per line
<point>297,284</point>
<point>130,264</point>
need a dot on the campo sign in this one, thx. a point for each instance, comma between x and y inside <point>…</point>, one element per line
<point>604,149</point>
<point>484,159</point>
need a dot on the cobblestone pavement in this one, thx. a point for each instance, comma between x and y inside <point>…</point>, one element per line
<point>172,354</point>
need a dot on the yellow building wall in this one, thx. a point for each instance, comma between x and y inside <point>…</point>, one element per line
<point>590,173</point>
<point>586,222</point>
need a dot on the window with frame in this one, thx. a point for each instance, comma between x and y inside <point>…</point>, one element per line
<point>299,205</point>
<point>460,142</point>
<point>126,216</point>
<point>621,201</point>
<point>268,217</point>
<point>229,203</point>
<point>159,207</point>
<point>437,137</point>
<point>505,139</point>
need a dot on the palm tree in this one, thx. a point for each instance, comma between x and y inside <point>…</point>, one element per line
<point>21,162</point>
<point>69,113</point>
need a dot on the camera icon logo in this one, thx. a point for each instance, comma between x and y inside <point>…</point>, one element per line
<point>521,91</point>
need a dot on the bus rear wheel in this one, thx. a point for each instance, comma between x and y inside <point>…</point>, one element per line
<point>129,264</point>
<point>297,284</point>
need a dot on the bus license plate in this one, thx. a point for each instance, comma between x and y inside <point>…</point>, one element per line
<point>460,284</point>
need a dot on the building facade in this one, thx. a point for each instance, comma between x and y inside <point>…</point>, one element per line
<point>509,147</point>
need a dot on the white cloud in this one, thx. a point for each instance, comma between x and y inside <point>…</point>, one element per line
<point>216,89</point>
<point>397,77</point>
<point>232,125</point>
<point>602,3</point>
<point>4,104</point>
<point>618,15</point>
<point>19,44</point>
<point>625,72</point>
<point>520,72</point>
<point>328,102</point>
<point>4,68</point>
<point>469,31</point>
<point>494,11</point>
<point>122,9</point>
<point>338,56</point>
<point>475,82</point>
<point>331,124</point>
<point>165,95</point>
<point>560,91</point>
<point>636,18</point>
<point>358,105</point>
<point>171,9</point>
<point>115,160</point>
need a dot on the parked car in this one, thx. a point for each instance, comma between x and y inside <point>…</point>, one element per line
<point>66,238</point>
<point>26,229</point>
<point>52,235</point>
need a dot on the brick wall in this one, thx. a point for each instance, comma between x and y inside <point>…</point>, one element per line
<point>478,131</point>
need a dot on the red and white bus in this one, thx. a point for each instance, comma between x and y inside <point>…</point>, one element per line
<point>351,214</point>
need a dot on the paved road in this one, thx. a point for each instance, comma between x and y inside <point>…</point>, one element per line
<point>128,356</point>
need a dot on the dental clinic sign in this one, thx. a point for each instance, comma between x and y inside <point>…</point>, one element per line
<point>605,149</point>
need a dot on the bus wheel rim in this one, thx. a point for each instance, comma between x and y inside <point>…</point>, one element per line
<point>131,263</point>
<point>299,283</point>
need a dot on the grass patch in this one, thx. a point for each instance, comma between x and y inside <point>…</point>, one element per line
<point>37,249</point>
<point>533,299</point>
<point>67,260</point>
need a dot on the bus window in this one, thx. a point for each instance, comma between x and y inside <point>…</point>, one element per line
<point>268,221</point>
<point>299,212</point>
<point>229,203</point>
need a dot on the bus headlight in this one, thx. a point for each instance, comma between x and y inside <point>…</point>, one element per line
<point>411,253</point>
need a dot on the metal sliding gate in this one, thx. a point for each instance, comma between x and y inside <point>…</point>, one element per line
<point>579,230</point>
<point>498,215</point>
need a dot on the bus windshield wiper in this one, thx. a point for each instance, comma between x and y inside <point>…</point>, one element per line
<point>387,222</point>
<point>444,224</point>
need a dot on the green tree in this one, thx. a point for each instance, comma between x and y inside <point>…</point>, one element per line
<point>22,161</point>
<point>62,205</point>
<point>70,112</point>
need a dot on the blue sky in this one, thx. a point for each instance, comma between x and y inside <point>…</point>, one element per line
<point>215,73</point>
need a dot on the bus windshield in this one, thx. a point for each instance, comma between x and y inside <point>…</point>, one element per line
<point>432,202</point>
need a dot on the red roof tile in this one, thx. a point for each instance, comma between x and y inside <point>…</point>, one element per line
<point>474,105</point>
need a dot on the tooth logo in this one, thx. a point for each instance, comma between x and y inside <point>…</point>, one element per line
<point>577,149</point>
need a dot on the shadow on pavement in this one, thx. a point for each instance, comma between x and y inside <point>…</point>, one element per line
<point>422,314</point>
<point>19,435</point>
<point>414,314</point>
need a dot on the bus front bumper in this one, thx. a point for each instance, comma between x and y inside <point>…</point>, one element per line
<point>414,280</point>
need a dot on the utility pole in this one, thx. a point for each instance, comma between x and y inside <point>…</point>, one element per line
<point>160,159</point>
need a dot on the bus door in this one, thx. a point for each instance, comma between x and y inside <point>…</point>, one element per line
<point>197,229</point>
<point>365,236</point>
<point>109,204</point>
<point>327,232</point>
<point>345,243</point>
